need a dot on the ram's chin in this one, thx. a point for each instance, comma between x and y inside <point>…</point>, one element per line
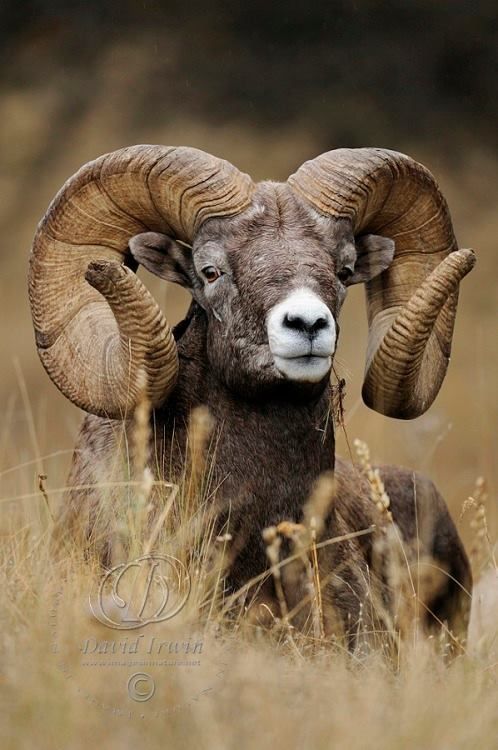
<point>308,369</point>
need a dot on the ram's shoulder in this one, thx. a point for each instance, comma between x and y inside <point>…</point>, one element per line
<point>402,483</point>
<point>409,485</point>
<point>412,495</point>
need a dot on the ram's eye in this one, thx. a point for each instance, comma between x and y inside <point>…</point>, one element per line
<point>345,274</point>
<point>211,273</point>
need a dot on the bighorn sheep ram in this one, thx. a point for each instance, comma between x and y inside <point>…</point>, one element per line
<point>267,266</point>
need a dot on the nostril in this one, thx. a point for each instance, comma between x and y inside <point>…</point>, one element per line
<point>318,325</point>
<point>299,323</point>
<point>294,322</point>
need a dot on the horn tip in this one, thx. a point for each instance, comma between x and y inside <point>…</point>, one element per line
<point>101,272</point>
<point>470,257</point>
<point>403,409</point>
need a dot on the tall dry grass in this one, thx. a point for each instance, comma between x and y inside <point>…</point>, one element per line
<point>254,686</point>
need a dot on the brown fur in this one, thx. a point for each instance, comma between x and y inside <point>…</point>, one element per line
<point>273,437</point>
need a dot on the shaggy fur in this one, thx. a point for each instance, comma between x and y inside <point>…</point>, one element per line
<point>273,437</point>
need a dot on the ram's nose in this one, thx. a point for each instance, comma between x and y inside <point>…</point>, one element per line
<point>299,320</point>
<point>309,322</point>
<point>302,336</point>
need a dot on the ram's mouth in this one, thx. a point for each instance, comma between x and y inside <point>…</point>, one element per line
<point>310,368</point>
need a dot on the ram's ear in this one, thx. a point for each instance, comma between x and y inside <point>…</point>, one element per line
<point>164,257</point>
<point>373,255</point>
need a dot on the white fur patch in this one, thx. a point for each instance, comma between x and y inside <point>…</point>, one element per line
<point>298,354</point>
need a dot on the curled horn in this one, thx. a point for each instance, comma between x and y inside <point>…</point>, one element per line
<point>97,328</point>
<point>411,306</point>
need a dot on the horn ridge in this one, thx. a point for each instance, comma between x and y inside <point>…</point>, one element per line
<point>97,328</point>
<point>385,192</point>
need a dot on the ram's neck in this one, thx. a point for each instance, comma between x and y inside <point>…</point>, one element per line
<point>271,453</point>
<point>266,454</point>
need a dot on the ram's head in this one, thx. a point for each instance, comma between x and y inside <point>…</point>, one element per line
<point>269,264</point>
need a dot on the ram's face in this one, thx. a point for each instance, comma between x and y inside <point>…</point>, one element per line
<point>270,290</point>
<point>271,282</point>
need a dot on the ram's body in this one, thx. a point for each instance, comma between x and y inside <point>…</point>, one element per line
<point>268,269</point>
<point>268,456</point>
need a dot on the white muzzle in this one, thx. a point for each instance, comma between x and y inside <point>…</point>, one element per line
<point>302,336</point>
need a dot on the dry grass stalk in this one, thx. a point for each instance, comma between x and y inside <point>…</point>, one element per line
<point>377,489</point>
<point>273,543</point>
<point>302,564</point>
<point>199,434</point>
<point>392,562</point>
<point>319,503</point>
<point>303,538</point>
<point>194,518</point>
<point>141,433</point>
<point>128,510</point>
<point>315,512</point>
<point>42,478</point>
<point>161,521</point>
<point>482,554</point>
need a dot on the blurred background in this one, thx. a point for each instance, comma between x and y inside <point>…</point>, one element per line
<point>266,85</point>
